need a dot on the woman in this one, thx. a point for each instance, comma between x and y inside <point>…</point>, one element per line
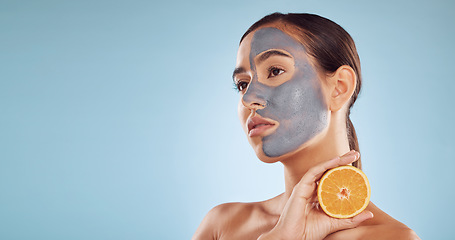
<point>298,75</point>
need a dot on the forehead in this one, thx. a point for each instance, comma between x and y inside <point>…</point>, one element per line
<point>267,38</point>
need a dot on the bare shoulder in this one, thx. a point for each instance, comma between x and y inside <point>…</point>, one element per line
<point>381,226</point>
<point>378,232</point>
<point>226,218</point>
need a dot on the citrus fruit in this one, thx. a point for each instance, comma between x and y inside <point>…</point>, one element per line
<point>343,192</point>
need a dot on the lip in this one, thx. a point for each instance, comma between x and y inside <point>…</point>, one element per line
<point>259,126</point>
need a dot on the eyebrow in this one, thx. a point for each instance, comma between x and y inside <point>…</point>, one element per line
<point>238,71</point>
<point>264,56</point>
<point>261,58</point>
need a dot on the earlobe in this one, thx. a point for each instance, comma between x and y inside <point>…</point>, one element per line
<point>342,86</point>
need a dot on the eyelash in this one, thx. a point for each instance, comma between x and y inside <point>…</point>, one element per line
<point>238,85</point>
<point>271,69</point>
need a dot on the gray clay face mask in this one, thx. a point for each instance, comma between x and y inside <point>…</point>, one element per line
<point>297,104</point>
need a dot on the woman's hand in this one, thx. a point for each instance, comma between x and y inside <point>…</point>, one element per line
<point>302,219</point>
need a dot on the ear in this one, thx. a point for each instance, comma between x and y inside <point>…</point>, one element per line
<point>341,86</point>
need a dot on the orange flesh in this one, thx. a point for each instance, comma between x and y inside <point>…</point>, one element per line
<point>343,192</point>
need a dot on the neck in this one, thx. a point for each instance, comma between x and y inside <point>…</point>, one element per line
<point>327,145</point>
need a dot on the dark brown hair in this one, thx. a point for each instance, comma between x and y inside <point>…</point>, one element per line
<point>328,44</point>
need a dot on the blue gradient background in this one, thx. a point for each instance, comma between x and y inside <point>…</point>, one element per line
<point>118,120</point>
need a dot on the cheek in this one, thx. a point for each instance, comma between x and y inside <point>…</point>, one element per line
<point>243,114</point>
<point>290,100</point>
<point>300,100</point>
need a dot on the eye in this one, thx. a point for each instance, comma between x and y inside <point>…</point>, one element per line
<point>274,71</point>
<point>241,85</point>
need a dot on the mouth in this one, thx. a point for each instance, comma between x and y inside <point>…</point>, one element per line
<point>259,126</point>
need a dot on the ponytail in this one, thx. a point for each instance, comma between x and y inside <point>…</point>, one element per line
<point>353,142</point>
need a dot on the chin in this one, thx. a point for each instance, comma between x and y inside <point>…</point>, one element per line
<point>264,158</point>
<point>258,149</point>
<point>267,158</point>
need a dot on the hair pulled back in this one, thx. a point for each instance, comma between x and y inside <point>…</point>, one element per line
<point>328,44</point>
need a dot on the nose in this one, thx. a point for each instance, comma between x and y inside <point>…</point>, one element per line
<point>254,97</point>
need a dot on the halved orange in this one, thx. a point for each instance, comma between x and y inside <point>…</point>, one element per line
<point>344,192</point>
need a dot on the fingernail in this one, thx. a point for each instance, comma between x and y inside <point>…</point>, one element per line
<point>348,154</point>
<point>357,155</point>
<point>371,215</point>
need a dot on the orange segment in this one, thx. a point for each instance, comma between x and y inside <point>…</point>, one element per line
<point>344,192</point>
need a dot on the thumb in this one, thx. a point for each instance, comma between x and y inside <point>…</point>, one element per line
<point>341,224</point>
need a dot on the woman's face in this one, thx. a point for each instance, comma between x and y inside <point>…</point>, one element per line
<point>282,105</point>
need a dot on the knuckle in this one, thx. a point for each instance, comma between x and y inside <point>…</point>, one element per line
<point>340,224</point>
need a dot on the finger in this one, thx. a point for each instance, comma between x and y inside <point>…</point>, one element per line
<point>317,171</point>
<point>340,224</point>
<point>307,185</point>
<point>345,161</point>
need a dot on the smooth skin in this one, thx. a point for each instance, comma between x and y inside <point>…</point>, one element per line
<point>294,214</point>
